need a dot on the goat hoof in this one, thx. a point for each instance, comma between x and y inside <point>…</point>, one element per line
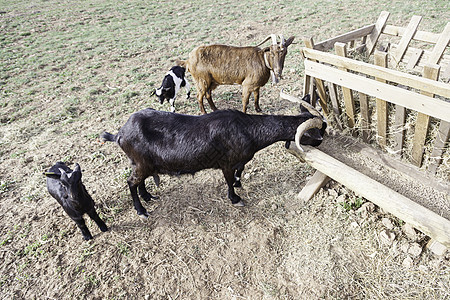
<point>104,228</point>
<point>148,197</point>
<point>143,214</point>
<point>237,184</point>
<point>87,237</point>
<point>239,204</point>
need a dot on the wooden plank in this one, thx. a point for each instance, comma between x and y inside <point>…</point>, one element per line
<point>411,29</point>
<point>433,107</point>
<point>416,82</point>
<point>414,59</point>
<point>365,116</point>
<point>399,129</point>
<point>440,46</point>
<point>307,85</point>
<point>420,134</point>
<point>381,105</point>
<point>349,102</point>
<point>309,43</point>
<point>344,38</point>
<point>332,91</point>
<point>313,93</point>
<point>393,163</point>
<point>426,54</point>
<point>421,218</point>
<point>439,146</point>
<point>446,74</point>
<point>423,120</point>
<point>422,36</point>
<point>317,181</point>
<point>376,32</point>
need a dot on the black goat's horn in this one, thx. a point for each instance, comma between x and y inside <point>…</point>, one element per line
<point>311,123</point>
<point>312,110</point>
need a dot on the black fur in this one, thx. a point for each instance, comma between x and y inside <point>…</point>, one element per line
<point>167,143</point>
<point>66,187</point>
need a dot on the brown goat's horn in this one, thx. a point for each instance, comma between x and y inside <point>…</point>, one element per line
<point>312,110</point>
<point>271,36</point>
<point>265,40</point>
<point>311,123</point>
<point>282,40</point>
<point>274,39</point>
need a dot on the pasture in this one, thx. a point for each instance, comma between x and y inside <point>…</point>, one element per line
<point>69,71</point>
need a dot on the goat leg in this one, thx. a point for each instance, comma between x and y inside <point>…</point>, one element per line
<point>188,90</point>
<point>200,96</point>
<point>237,176</point>
<point>84,230</point>
<point>256,96</point>
<point>245,98</point>
<point>94,216</point>
<point>229,177</point>
<point>144,193</point>
<point>134,195</point>
<point>210,101</point>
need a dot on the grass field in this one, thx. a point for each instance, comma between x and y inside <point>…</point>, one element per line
<point>71,69</point>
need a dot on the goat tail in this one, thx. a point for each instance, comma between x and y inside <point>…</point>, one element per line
<point>108,137</point>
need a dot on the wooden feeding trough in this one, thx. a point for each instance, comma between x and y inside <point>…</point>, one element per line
<point>385,93</point>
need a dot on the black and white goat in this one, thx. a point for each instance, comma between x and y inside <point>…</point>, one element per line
<point>66,187</point>
<point>174,80</point>
<point>159,142</point>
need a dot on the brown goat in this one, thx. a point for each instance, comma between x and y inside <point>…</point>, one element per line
<point>251,67</point>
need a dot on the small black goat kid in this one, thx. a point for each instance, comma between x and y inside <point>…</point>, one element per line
<point>174,80</point>
<point>66,187</point>
<point>168,143</point>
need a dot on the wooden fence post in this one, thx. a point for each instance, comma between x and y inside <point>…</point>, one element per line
<point>376,32</point>
<point>349,102</point>
<point>423,120</point>
<point>406,39</point>
<point>309,43</point>
<point>382,115</point>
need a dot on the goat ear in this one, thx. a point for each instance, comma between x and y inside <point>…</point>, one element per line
<point>65,179</point>
<point>76,174</point>
<point>289,41</point>
<point>77,168</point>
<point>307,98</point>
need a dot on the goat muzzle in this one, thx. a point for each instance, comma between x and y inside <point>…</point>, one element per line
<point>305,126</point>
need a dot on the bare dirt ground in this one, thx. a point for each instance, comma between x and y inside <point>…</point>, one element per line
<point>68,73</point>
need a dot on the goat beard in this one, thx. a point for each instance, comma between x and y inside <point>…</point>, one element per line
<point>274,78</point>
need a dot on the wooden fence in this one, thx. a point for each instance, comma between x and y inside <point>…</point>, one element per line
<point>385,85</point>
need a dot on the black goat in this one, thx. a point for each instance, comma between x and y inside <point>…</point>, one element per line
<point>167,143</point>
<point>66,187</point>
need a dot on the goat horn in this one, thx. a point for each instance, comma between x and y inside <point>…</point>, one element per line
<point>274,39</point>
<point>282,40</point>
<point>265,40</point>
<point>312,110</point>
<point>271,36</point>
<point>289,97</point>
<point>311,123</point>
